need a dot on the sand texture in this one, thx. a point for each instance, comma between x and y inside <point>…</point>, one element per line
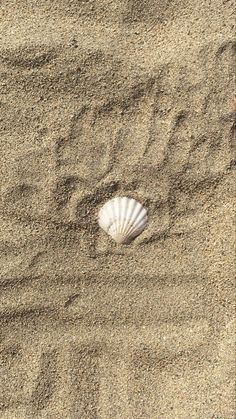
<point>100,99</point>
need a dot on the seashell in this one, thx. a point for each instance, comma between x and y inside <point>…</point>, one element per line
<point>123,219</point>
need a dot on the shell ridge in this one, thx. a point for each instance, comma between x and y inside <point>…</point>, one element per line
<point>138,228</point>
<point>109,211</point>
<point>124,214</point>
<point>130,205</point>
<point>104,219</point>
<point>135,227</point>
<point>133,219</point>
<point>136,220</point>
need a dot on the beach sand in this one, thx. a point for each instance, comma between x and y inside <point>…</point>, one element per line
<point>102,99</point>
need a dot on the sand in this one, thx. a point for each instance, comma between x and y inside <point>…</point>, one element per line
<point>101,99</point>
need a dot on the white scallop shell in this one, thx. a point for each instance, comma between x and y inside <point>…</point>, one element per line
<point>123,219</point>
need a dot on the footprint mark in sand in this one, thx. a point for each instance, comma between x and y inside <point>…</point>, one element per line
<point>160,130</point>
<point>30,57</point>
<point>64,190</point>
<point>114,135</point>
<point>226,56</point>
<point>179,145</point>
<point>85,377</point>
<point>19,198</point>
<point>28,195</point>
<point>133,134</point>
<point>150,11</point>
<point>12,376</point>
<point>44,389</point>
<point>85,151</point>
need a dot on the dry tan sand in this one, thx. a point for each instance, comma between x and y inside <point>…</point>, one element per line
<point>101,99</point>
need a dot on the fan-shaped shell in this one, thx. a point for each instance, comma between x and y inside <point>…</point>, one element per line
<point>122,218</point>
